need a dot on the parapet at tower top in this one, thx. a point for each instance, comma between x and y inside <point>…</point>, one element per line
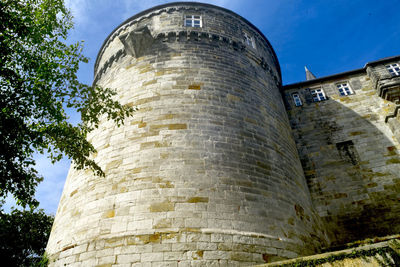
<point>188,5</point>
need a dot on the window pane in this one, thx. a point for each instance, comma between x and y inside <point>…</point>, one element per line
<point>192,21</point>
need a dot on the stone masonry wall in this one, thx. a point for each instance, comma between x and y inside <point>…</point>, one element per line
<point>206,172</point>
<point>350,157</point>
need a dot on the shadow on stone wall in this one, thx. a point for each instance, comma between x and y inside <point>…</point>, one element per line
<point>352,166</point>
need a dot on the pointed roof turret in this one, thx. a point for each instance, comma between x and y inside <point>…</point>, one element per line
<point>309,74</point>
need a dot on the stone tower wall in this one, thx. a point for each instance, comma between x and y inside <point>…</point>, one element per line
<point>350,156</point>
<point>206,171</point>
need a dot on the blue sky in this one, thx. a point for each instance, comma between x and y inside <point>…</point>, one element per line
<point>329,36</point>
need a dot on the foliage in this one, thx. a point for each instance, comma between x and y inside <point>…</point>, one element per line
<point>37,83</point>
<point>23,237</point>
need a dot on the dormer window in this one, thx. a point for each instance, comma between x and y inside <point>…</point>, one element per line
<point>394,69</point>
<point>297,99</point>
<point>318,95</point>
<point>344,89</point>
<point>193,21</point>
<point>248,40</point>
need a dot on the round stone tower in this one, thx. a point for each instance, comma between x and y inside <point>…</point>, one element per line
<point>206,170</point>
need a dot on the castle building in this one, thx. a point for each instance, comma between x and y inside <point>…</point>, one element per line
<point>222,165</point>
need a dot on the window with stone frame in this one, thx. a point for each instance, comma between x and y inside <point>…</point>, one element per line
<point>193,21</point>
<point>297,100</point>
<point>248,40</point>
<point>318,94</point>
<point>394,69</point>
<point>344,88</point>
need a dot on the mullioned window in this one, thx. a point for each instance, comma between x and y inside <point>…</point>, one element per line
<point>318,95</point>
<point>394,69</point>
<point>344,89</point>
<point>297,100</point>
<point>193,21</point>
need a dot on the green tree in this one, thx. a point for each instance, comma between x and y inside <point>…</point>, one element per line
<point>23,237</point>
<point>37,83</point>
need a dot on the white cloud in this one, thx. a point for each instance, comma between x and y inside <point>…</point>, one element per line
<point>79,9</point>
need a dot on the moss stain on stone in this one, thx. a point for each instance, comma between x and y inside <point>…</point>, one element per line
<point>393,161</point>
<point>152,144</point>
<point>392,150</point>
<point>250,120</point>
<point>154,238</point>
<point>130,66</point>
<point>137,170</point>
<point>167,184</point>
<point>113,164</point>
<point>380,174</point>
<point>233,98</point>
<point>144,101</point>
<point>166,117</point>
<point>263,165</point>
<point>194,87</point>
<point>356,133</point>
<point>146,69</point>
<point>164,155</point>
<point>198,200</point>
<point>339,195</point>
<point>177,126</point>
<point>143,110</point>
<point>162,207</point>
<point>370,185</point>
<point>163,223</point>
<point>241,256</point>
<point>114,242</point>
<point>142,124</point>
<point>190,230</point>
<point>149,82</point>
<point>73,192</point>
<point>200,253</point>
<point>76,213</point>
<point>161,144</point>
<point>109,214</point>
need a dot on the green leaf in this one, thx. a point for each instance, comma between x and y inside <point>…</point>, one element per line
<point>38,81</point>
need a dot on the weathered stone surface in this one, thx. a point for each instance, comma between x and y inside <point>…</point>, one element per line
<point>206,171</point>
<point>209,171</point>
<point>137,42</point>
<point>372,255</point>
<point>350,153</point>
